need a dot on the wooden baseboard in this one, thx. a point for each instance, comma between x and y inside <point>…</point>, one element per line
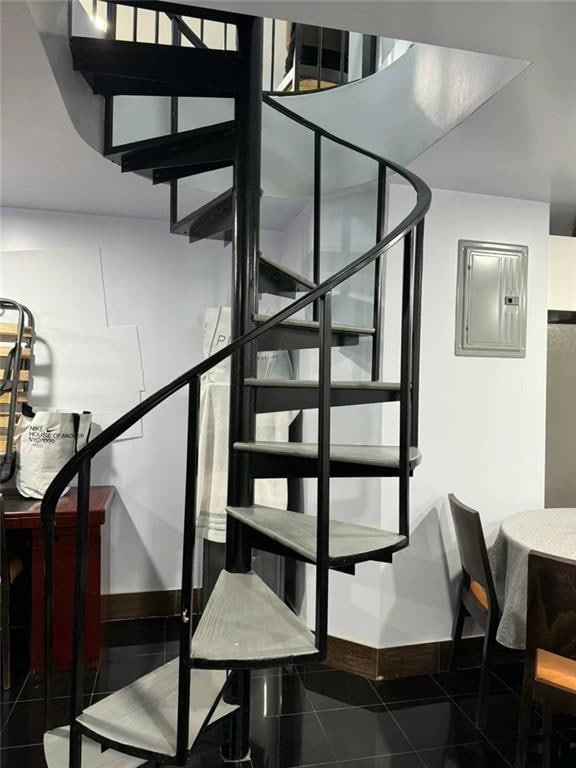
<point>407,660</point>
<point>144,605</point>
<point>353,657</point>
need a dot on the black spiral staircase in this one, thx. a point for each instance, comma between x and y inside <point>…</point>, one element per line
<point>203,696</point>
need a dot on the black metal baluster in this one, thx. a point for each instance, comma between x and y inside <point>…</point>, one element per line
<point>369,54</point>
<point>111,15</point>
<point>94,8</point>
<point>343,39</point>
<point>379,277</point>
<point>225,37</point>
<point>202,30</point>
<point>174,129</point>
<point>48,524</point>
<point>157,27</point>
<point>405,383</point>
<point>273,55</point>
<point>189,537</point>
<point>297,54</point>
<point>78,635</point>
<point>319,59</point>
<point>323,501</point>
<point>316,232</point>
<point>418,270</point>
<point>135,25</point>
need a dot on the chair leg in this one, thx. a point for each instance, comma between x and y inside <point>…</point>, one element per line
<point>487,664</point>
<point>524,723</point>
<point>457,632</point>
<point>547,740</point>
<point>5,635</point>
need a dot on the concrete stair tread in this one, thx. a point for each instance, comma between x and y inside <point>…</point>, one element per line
<point>313,325</point>
<point>375,455</point>
<point>348,542</point>
<point>309,384</point>
<point>245,621</point>
<point>144,713</point>
<point>57,752</point>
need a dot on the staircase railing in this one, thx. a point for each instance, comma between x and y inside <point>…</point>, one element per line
<point>411,231</point>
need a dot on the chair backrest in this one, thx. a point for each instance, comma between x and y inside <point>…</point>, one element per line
<point>472,549</point>
<point>550,667</point>
<point>551,614</point>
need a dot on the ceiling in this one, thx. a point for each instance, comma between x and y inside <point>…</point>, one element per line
<point>522,143</point>
<point>44,162</point>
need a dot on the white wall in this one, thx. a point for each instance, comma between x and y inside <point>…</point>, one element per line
<point>482,426</point>
<point>482,419</point>
<point>160,283</point>
<point>562,273</point>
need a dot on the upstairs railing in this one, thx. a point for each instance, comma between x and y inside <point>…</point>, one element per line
<point>297,57</point>
<point>410,230</point>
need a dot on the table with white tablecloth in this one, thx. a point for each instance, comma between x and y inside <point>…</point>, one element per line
<point>550,531</point>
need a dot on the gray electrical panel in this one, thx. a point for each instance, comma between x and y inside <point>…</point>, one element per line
<point>491,299</point>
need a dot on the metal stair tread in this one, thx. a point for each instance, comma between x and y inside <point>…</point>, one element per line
<point>162,49</point>
<point>144,714</point>
<point>374,455</point>
<point>181,70</point>
<point>309,384</point>
<point>245,621</point>
<point>57,752</point>
<point>174,149</point>
<point>214,216</point>
<point>297,531</point>
<point>313,325</point>
<point>290,274</point>
<point>161,142</point>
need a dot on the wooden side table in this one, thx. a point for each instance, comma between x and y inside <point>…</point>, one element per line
<point>25,514</point>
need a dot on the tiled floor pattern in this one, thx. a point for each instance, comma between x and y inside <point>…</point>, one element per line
<point>314,716</point>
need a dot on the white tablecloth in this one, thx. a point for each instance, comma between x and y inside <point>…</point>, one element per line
<point>551,531</point>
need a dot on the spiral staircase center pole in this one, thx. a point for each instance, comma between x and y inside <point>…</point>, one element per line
<point>246,245</point>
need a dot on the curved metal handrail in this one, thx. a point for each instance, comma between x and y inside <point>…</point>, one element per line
<point>111,433</point>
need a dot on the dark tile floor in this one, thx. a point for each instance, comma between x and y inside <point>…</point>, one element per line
<point>313,716</point>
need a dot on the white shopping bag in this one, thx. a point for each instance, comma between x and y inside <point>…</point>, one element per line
<point>44,442</point>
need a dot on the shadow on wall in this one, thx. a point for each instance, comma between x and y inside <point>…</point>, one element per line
<point>122,530</point>
<point>131,530</point>
<point>102,473</point>
<point>425,581</point>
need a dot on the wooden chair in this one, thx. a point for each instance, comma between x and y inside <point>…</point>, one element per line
<point>477,595</point>
<point>10,569</point>
<point>550,666</point>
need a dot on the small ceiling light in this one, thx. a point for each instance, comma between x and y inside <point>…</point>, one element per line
<point>99,23</point>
